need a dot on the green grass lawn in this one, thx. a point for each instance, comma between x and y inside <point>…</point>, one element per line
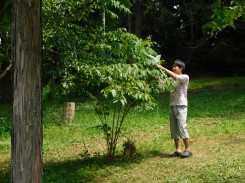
<point>216,123</point>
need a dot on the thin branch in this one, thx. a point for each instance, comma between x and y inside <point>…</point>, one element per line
<point>127,108</point>
<point>6,70</point>
<point>118,119</point>
<point>113,122</point>
<point>240,20</point>
<point>204,41</point>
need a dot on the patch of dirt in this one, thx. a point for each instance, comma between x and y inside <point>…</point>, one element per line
<point>96,146</point>
<point>207,152</point>
<point>4,158</point>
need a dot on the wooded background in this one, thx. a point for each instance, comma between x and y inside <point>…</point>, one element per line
<point>207,35</point>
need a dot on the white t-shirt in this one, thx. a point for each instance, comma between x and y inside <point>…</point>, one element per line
<point>178,96</point>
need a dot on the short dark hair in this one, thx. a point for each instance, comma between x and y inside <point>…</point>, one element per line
<point>180,64</point>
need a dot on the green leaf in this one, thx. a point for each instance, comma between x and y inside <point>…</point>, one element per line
<point>114,93</point>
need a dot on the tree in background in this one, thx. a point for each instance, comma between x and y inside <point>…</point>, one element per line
<point>198,32</point>
<point>71,27</point>
<point>75,38</point>
<point>224,14</point>
<point>26,139</point>
<point>5,52</point>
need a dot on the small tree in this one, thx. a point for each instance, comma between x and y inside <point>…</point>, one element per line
<point>128,87</point>
<point>119,74</point>
<point>132,83</point>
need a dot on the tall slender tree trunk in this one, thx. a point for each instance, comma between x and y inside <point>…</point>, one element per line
<point>138,27</point>
<point>129,23</point>
<point>190,51</point>
<point>26,139</point>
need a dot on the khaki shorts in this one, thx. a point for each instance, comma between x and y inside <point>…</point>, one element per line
<point>178,118</point>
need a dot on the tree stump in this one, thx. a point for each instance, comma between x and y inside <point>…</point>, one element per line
<point>68,113</point>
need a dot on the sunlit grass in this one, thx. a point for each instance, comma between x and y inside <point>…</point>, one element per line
<point>214,83</point>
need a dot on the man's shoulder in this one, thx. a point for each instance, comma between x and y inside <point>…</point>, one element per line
<point>183,79</point>
<point>184,76</point>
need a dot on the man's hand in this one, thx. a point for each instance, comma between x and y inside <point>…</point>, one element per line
<point>161,67</point>
<point>168,72</point>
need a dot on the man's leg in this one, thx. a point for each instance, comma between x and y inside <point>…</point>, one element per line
<point>178,144</point>
<point>175,132</point>
<point>187,144</point>
<point>187,153</point>
<point>182,118</point>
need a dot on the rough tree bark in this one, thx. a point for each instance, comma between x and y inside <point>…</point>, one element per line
<point>26,137</point>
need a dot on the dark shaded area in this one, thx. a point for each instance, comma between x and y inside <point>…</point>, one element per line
<point>175,26</point>
<point>5,51</point>
<point>222,55</point>
<point>86,168</point>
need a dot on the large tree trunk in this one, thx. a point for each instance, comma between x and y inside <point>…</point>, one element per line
<point>26,140</point>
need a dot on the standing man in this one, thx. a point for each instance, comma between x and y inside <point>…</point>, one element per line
<point>178,108</point>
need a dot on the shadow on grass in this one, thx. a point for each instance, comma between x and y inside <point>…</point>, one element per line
<point>79,170</point>
<point>4,175</point>
<point>160,154</point>
<point>86,169</point>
